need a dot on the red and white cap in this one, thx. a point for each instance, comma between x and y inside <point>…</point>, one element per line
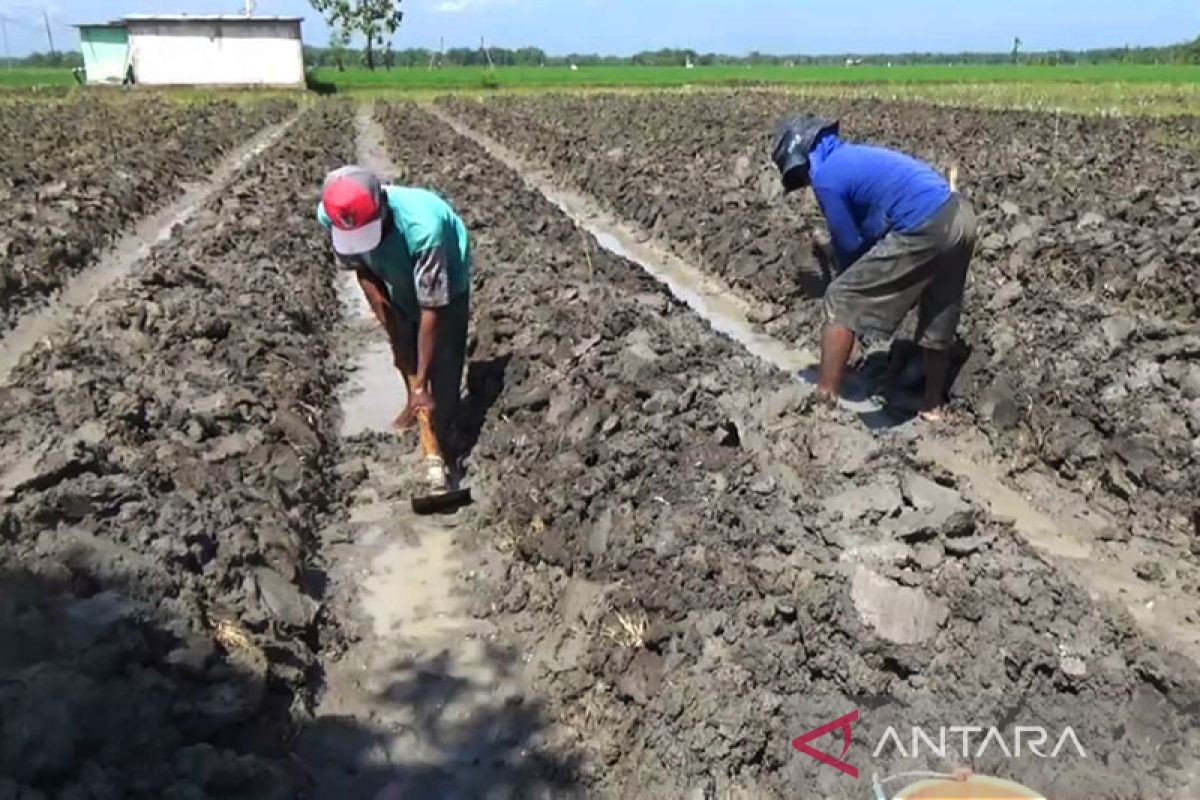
<point>353,201</point>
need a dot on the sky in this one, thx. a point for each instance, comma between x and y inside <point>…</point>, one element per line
<point>725,26</point>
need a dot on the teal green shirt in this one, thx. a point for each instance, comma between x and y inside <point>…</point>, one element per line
<point>424,257</point>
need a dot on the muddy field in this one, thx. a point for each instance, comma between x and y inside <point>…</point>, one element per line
<point>1081,317</point>
<point>163,472</point>
<point>683,562</point>
<point>686,534</point>
<point>75,174</point>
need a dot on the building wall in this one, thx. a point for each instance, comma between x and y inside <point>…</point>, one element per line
<point>231,52</point>
<point>105,50</point>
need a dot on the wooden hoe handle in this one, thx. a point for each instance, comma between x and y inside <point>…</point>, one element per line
<point>429,442</point>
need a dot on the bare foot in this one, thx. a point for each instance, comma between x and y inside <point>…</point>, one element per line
<point>934,415</point>
<point>826,398</point>
<point>819,401</point>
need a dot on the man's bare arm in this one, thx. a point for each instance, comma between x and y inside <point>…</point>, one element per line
<point>375,292</point>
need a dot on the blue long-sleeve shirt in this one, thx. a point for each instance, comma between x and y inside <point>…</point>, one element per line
<point>865,192</point>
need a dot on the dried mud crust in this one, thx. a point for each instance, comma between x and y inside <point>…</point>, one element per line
<point>1081,314</point>
<point>74,174</point>
<point>705,567</point>
<point>164,465</point>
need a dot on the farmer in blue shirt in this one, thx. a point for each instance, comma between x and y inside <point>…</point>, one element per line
<point>412,258</point>
<point>901,238</point>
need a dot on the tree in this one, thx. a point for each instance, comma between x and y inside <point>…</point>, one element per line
<point>376,20</point>
<point>1191,52</point>
<point>339,43</point>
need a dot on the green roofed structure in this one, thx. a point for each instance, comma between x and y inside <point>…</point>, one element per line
<point>105,49</point>
<point>194,50</point>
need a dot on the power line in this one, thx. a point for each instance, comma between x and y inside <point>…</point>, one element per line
<point>20,22</point>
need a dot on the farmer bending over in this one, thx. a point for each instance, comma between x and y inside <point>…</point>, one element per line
<point>901,238</point>
<point>411,254</point>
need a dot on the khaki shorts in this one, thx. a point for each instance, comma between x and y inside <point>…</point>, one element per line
<point>926,268</point>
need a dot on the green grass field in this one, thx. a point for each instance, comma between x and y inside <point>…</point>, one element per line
<point>1088,89</point>
<point>1094,88</point>
<point>450,78</point>
<point>35,76</point>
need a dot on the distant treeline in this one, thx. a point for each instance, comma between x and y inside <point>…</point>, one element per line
<point>1188,53</point>
<point>342,57</point>
<point>70,58</point>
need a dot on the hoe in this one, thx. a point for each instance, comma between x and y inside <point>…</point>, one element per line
<point>440,495</point>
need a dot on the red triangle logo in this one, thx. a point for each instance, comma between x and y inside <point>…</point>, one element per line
<point>801,743</point>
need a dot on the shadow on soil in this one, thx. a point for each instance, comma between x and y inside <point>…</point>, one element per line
<point>105,692</point>
<point>896,377</point>
<point>485,382</point>
<point>99,688</point>
<point>440,733</point>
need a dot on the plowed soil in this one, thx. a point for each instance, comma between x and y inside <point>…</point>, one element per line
<point>74,174</point>
<point>704,567</point>
<point>162,474</point>
<point>696,563</point>
<point>1081,313</point>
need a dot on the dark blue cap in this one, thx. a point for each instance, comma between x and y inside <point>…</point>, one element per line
<point>795,138</point>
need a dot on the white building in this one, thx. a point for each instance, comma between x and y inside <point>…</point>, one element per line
<point>196,50</point>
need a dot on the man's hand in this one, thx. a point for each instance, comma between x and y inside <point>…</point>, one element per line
<point>858,356</point>
<point>815,274</point>
<point>822,251</point>
<point>418,400</point>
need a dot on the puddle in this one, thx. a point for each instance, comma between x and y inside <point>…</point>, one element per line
<point>714,304</point>
<point>128,251</point>
<point>1049,535</point>
<point>373,394</point>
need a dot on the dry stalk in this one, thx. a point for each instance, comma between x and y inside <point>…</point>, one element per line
<point>230,635</point>
<point>592,705</point>
<point>629,631</point>
<point>587,254</point>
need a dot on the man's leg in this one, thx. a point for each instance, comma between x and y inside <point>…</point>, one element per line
<point>872,296</point>
<point>941,306</point>
<point>446,373</point>
<point>836,345</point>
<point>937,364</point>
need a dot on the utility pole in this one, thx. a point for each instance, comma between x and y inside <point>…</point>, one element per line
<point>487,53</point>
<point>437,57</point>
<point>4,31</point>
<point>49,36</point>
